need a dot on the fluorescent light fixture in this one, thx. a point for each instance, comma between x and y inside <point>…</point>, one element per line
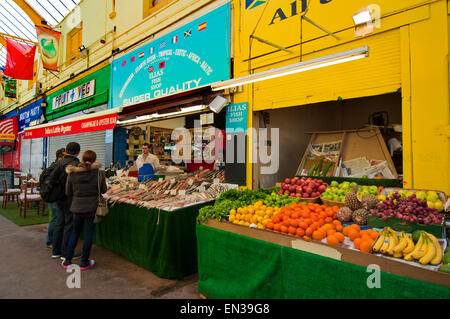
<point>312,64</point>
<point>362,17</point>
<point>184,110</point>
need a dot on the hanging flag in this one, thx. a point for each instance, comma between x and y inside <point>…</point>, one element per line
<point>48,42</point>
<point>151,50</point>
<point>8,131</point>
<point>202,26</point>
<point>124,62</point>
<point>162,64</point>
<point>141,55</point>
<point>19,60</point>
<point>151,69</point>
<point>175,39</point>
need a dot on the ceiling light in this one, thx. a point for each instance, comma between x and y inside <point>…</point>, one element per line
<point>81,48</point>
<point>186,110</point>
<point>312,64</point>
<point>362,17</point>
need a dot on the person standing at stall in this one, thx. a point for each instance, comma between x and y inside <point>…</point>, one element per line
<point>63,225</point>
<point>145,160</point>
<point>53,205</point>
<point>85,183</point>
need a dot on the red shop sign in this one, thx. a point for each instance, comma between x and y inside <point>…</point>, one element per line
<point>91,124</point>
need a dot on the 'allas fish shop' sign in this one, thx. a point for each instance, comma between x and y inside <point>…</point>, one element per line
<point>192,56</point>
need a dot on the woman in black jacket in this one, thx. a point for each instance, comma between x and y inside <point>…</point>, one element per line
<point>83,184</point>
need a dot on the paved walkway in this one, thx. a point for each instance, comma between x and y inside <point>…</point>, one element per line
<point>27,271</point>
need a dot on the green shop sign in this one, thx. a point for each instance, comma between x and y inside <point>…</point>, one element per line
<point>85,93</point>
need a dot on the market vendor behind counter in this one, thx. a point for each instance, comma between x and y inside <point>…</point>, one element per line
<point>147,163</point>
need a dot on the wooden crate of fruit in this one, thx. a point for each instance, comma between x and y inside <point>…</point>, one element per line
<point>407,213</point>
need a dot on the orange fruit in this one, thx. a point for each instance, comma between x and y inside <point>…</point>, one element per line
<point>365,246</point>
<point>269,225</point>
<point>346,230</point>
<point>313,226</point>
<point>336,222</point>
<point>308,231</point>
<point>365,237</point>
<point>340,237</point>
<point>331,232</point>
<point>302,224</point>
<point>317,235</point>
<point>357,242</point>
<point>300,232</point>
<point>355,226</point>
<point>332,240</point>
<point>374,235</point>
<point>294,223</point>
<point>339,228</point>
<point>277,227</point>
<point>276,219</point>
<point>307,238</point>
<point>283,229</point>
<point>295,215</point>
<point>328,220</point>
<point>353,234</point>
<point>292,230</point>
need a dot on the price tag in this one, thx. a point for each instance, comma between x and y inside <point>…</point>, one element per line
<point>142,186</point>
<point>172,180</point>
<point>173,192</point>
<point>182,192</point>
<point>191,181</point>
<point>216,181</point>
<point>160,179</point>
<point>166,192</point>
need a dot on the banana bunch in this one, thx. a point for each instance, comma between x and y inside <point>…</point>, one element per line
<point>426,251</point>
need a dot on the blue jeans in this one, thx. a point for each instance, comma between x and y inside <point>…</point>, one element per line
<point>88,236</point>
<point>63,227</point>
<point>51,224</point>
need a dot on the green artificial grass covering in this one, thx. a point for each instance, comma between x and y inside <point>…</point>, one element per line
<point>12,213</point>
<point>233,266</point>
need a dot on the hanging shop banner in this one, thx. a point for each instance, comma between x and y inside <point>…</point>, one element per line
<point>30,113</point>
<point>191,56</point>
<point>48,42</point>
<point>91,124</point>
<point>10,88</point>
<point>236,118</point>
<point>8,131</point>
<point>80,92</point>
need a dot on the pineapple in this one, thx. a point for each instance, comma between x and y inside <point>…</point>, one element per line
<point>344,214</point>
<point>360,216</point>
<point>352,201</point>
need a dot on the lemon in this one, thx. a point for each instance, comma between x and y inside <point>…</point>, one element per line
<point>265,221</point>
<point>251,210</point>
<point>260,219</point>
<point>239,210</point>
<point>254,219</point>
<point>232,218</point>
<point>246,224</point>
<point>238,216</point>
<point>236,221</point>
<point>260,226</point>
<point>242,222</point>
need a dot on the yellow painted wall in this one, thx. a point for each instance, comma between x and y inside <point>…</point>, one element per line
<point>409,51</point>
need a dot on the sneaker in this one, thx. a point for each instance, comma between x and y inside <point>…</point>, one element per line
<point>54,256</point>
<point>87,265</point>
<point>66,264</point>
<point>75,256</point>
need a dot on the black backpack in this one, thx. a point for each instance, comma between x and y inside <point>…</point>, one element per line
<point>46,185</point>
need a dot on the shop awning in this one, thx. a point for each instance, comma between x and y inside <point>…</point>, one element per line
<point>199,96</point>
<point>105,120</point>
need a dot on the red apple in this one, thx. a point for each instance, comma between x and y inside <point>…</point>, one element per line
<point>287,181</point>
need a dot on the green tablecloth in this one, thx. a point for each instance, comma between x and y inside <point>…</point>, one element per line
<point>235,266</point>
<point>157,240</point>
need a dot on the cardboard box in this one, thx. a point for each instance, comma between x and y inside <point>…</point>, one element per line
<point>338,253</point>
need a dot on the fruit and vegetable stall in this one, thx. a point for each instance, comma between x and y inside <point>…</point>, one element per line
<point>295,239</point>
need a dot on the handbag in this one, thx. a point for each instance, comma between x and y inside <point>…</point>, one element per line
<point>102,207</point>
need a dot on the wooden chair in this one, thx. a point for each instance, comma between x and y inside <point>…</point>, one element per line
<point>9,193</point>
<point>27,198</point>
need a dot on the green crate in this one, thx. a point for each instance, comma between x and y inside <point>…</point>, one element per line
<point>402,225</point>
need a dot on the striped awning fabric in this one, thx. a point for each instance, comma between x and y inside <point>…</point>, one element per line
<point>8,131</point>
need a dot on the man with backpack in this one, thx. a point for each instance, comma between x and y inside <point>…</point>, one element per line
<point>58,177</point>
<point>45,190</point>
